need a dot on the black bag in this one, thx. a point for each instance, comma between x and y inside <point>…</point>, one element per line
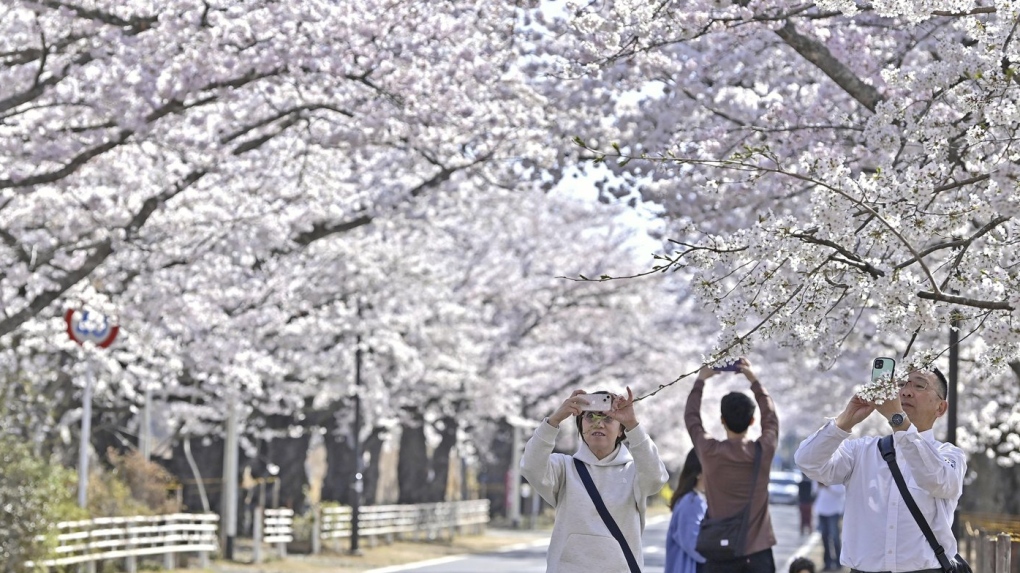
<point>960,565</point>
<point>721,539</point>
<point>724,539</point>
<point>955,565</point>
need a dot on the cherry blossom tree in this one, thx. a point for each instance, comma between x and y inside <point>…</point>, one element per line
<point>164,163</point>
<point>839,177</point>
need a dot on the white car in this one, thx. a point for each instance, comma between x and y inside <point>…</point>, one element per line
<point>784,487</point>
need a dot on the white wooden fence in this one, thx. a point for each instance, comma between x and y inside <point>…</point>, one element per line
<point>273,526</point>
<point>104,538</point>
<point>129,538</point>
<point>423,521</point>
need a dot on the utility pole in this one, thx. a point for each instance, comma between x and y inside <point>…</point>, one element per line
<point>359,484</point>
<point>86,435</point>
<point>145,432</point>
<point>230,461</point>
<point>514,479</point>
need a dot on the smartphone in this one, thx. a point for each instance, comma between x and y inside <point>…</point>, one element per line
<point>598,402</point>
<point>882,367</point>
<point>731,367</point>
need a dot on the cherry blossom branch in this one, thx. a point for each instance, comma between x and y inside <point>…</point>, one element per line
<point>671,262</point>
<point>962,244</point>
<point>819,55</point>
<point>169,108</point>
<point>100,16</point>
<point>740,165</point>
<point>282,114</point>
<point>736,341</point>
<point>853,259</point>
<point>964,301</point>
<point>971,12</point>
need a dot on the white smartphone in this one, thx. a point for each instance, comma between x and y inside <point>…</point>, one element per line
<point>597,402</point>
<point>882,366</point>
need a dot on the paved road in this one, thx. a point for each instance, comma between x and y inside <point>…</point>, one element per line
<point>531,559</point>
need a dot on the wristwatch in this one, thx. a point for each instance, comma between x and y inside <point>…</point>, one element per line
<point>897,419</point>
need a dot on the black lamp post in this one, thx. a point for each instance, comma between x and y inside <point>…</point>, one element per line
<point>358,481</point>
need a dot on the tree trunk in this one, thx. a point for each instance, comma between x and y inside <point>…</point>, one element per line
<point>440,462</point>
<point>290,455</point>
<point>336,486</point>
<point>413,472</point>
<point>494,464</point>
<point>373,447</point>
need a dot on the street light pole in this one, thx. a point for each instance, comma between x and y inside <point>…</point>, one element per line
<point>359,484</point>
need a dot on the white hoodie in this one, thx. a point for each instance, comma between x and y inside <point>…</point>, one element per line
<point>581,542</point>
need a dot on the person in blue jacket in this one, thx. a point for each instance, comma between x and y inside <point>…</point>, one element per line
<point>688,505</point>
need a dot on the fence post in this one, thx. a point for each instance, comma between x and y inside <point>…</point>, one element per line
<point>169,561</point>
<point>131,562</point>
<point>281,546</point>
<point>986,554</point>
<point>257,536</point>
<point>1002,553</point>
<point>316,529</point>
<point>201,537</point>
<point>90,567</point>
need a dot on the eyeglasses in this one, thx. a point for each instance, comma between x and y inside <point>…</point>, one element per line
<point>919,386</point>
<point>593,417</point>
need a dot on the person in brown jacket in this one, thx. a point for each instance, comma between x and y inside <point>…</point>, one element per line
<point>727,465</point>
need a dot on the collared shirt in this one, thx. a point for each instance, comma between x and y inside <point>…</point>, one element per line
<point>879,533</point>
<point>831,499</point>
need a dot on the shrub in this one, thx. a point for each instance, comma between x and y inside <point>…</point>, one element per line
<point>133,486</point>
<point>34,496</point>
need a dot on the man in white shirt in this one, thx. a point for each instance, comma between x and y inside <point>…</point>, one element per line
<point>879,533</point>
<point>829,505</point>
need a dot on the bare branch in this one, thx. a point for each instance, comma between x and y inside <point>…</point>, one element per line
<point>964,301</point>
<point>971,12</point>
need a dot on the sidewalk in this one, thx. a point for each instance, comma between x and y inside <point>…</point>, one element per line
<point>334,559</point>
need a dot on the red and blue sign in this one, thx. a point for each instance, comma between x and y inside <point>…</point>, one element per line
<point>85,326</point>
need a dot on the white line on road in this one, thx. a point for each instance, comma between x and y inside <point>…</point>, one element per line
<point>804,550</point>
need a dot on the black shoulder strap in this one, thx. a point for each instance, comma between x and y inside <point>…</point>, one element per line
<point>888,451</point>
<point>600,505</point>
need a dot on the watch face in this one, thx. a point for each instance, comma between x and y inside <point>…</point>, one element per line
<point>896,419</point>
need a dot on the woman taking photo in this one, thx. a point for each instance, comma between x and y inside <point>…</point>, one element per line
<point>618,460</point>
<point>688,506</point>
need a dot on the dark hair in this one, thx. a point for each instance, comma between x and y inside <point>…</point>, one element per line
<point>688,478</point>
<point>943,385</point>
<point>801,564</point>
<point>577,420</point>
<point>737,411</point>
